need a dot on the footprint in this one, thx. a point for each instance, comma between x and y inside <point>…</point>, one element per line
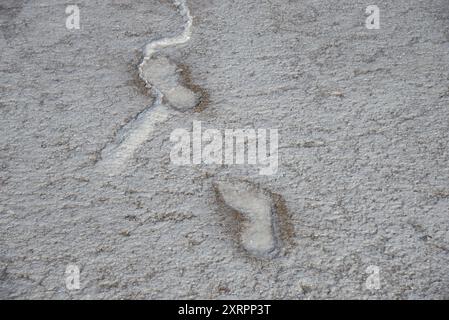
<point>164,75</point>
<point>258,223</point>
<point>114,156</point>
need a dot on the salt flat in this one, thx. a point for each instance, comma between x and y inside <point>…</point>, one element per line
<point>362,182</point>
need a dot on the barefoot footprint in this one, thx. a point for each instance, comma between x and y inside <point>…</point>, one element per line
<point>258,229</point>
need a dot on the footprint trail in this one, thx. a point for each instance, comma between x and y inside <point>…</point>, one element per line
<point>163,78</point>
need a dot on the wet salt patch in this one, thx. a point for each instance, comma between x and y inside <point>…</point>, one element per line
<point>258,232</point>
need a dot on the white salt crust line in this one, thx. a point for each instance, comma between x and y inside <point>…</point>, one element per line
<point>115,156</point>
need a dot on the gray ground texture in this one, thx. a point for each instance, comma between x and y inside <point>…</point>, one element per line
<point>363,174</point>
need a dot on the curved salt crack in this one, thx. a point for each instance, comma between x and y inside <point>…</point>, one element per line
<point>160,75</point>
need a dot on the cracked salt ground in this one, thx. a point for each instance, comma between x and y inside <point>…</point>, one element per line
<point>258,229</point>
<point>163,78</point>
